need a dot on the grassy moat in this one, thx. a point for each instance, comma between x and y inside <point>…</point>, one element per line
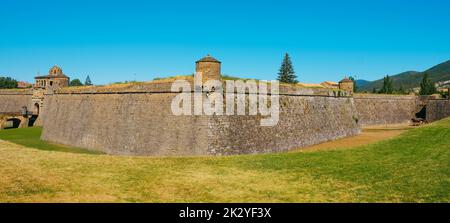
<point>30,137</point>
<point>411,167</point>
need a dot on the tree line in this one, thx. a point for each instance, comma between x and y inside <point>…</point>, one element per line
<point>427,87</point>
<point>8,82</point>
<point>286,74</point>
<point>77,82</point>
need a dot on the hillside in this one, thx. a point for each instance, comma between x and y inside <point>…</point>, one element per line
<point>410,79</point>
<point>362,82</point>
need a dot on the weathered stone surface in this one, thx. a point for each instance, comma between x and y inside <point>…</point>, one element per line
<point>304,120</point>
<point>136,119</point>
<point>385,109</point>
<point>209,67</point>
<point>12,101</point>
<point>437,109</point>
<point>143,124</point>
<point>129,124</point>
<point>7,119</point>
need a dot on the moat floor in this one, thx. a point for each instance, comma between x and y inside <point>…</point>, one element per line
<point>369,135</point>
<point>411,167</point>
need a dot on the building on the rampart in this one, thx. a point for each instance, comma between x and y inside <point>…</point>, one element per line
<point>55,79</point>
<point>346,85</point>
<point>210,68</point>
<point>24,84</point>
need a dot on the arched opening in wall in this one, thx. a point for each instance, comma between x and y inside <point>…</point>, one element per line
<point>422,113</point>
<point>31,120</point>
<point>36,108</point>
<point>12,123</point>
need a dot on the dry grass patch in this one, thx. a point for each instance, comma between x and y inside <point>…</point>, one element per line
<point>412,167</point>
<point>369,135</point>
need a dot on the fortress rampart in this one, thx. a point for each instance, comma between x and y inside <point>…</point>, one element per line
<point>437,109</point>
<point>137,119</point>
<point>374,109</point>
<point>304,120</point>
<point>123,123</point>
<point>12,101</point>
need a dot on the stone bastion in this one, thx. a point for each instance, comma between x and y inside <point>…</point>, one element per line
<point>136,119</point>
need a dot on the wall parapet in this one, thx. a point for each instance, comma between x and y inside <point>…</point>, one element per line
<point>165,87</point>
<point>16,91</point>
<point>385,96</point>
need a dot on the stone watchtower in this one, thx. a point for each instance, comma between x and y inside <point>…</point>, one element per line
<point>347,85</point>
<point>209,67</point>
<point>46,85</point>
<point>54,80</point>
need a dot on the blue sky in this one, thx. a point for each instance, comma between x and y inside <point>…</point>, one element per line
<point>139,40</point>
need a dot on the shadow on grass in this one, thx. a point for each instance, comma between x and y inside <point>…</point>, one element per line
<point>30,137</point>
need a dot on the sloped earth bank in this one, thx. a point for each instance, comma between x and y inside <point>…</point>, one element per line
<point>369,134</point>
<point>411,167</point>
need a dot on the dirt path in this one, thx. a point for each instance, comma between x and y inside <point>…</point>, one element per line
<point>370,134</point>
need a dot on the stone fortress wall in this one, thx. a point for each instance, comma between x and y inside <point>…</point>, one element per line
<point>136,119</point>
<point>437,109</point>
<point>128,124</point>
<point>139,121</point>
<point>304,120</point>
<point>11,108</point>
<point>12,101</point>
<point>376,109</point>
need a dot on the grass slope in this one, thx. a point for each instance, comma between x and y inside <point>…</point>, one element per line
<point>414,167</point>
<point>30,137</point>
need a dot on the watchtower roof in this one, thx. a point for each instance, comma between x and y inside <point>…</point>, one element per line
<point>346,80</point>
<point>55,71</point>
<point>208,58</point>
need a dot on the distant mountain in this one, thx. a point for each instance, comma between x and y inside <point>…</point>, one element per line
<point>362,83</point>
<point>409,79</point>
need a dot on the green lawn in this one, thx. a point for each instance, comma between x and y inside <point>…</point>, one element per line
<point>30,137</point>
<point>413,167</point>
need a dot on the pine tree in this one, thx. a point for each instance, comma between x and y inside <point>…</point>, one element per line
<point>387,85</point>
<point>88,81</point>
<point>427,86</point>
<point>355,88</point>
<point>401,90</point>
<point>286,73</point>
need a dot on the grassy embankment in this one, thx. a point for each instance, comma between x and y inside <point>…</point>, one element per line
<point>412,167</point>
<point>30,137</point>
